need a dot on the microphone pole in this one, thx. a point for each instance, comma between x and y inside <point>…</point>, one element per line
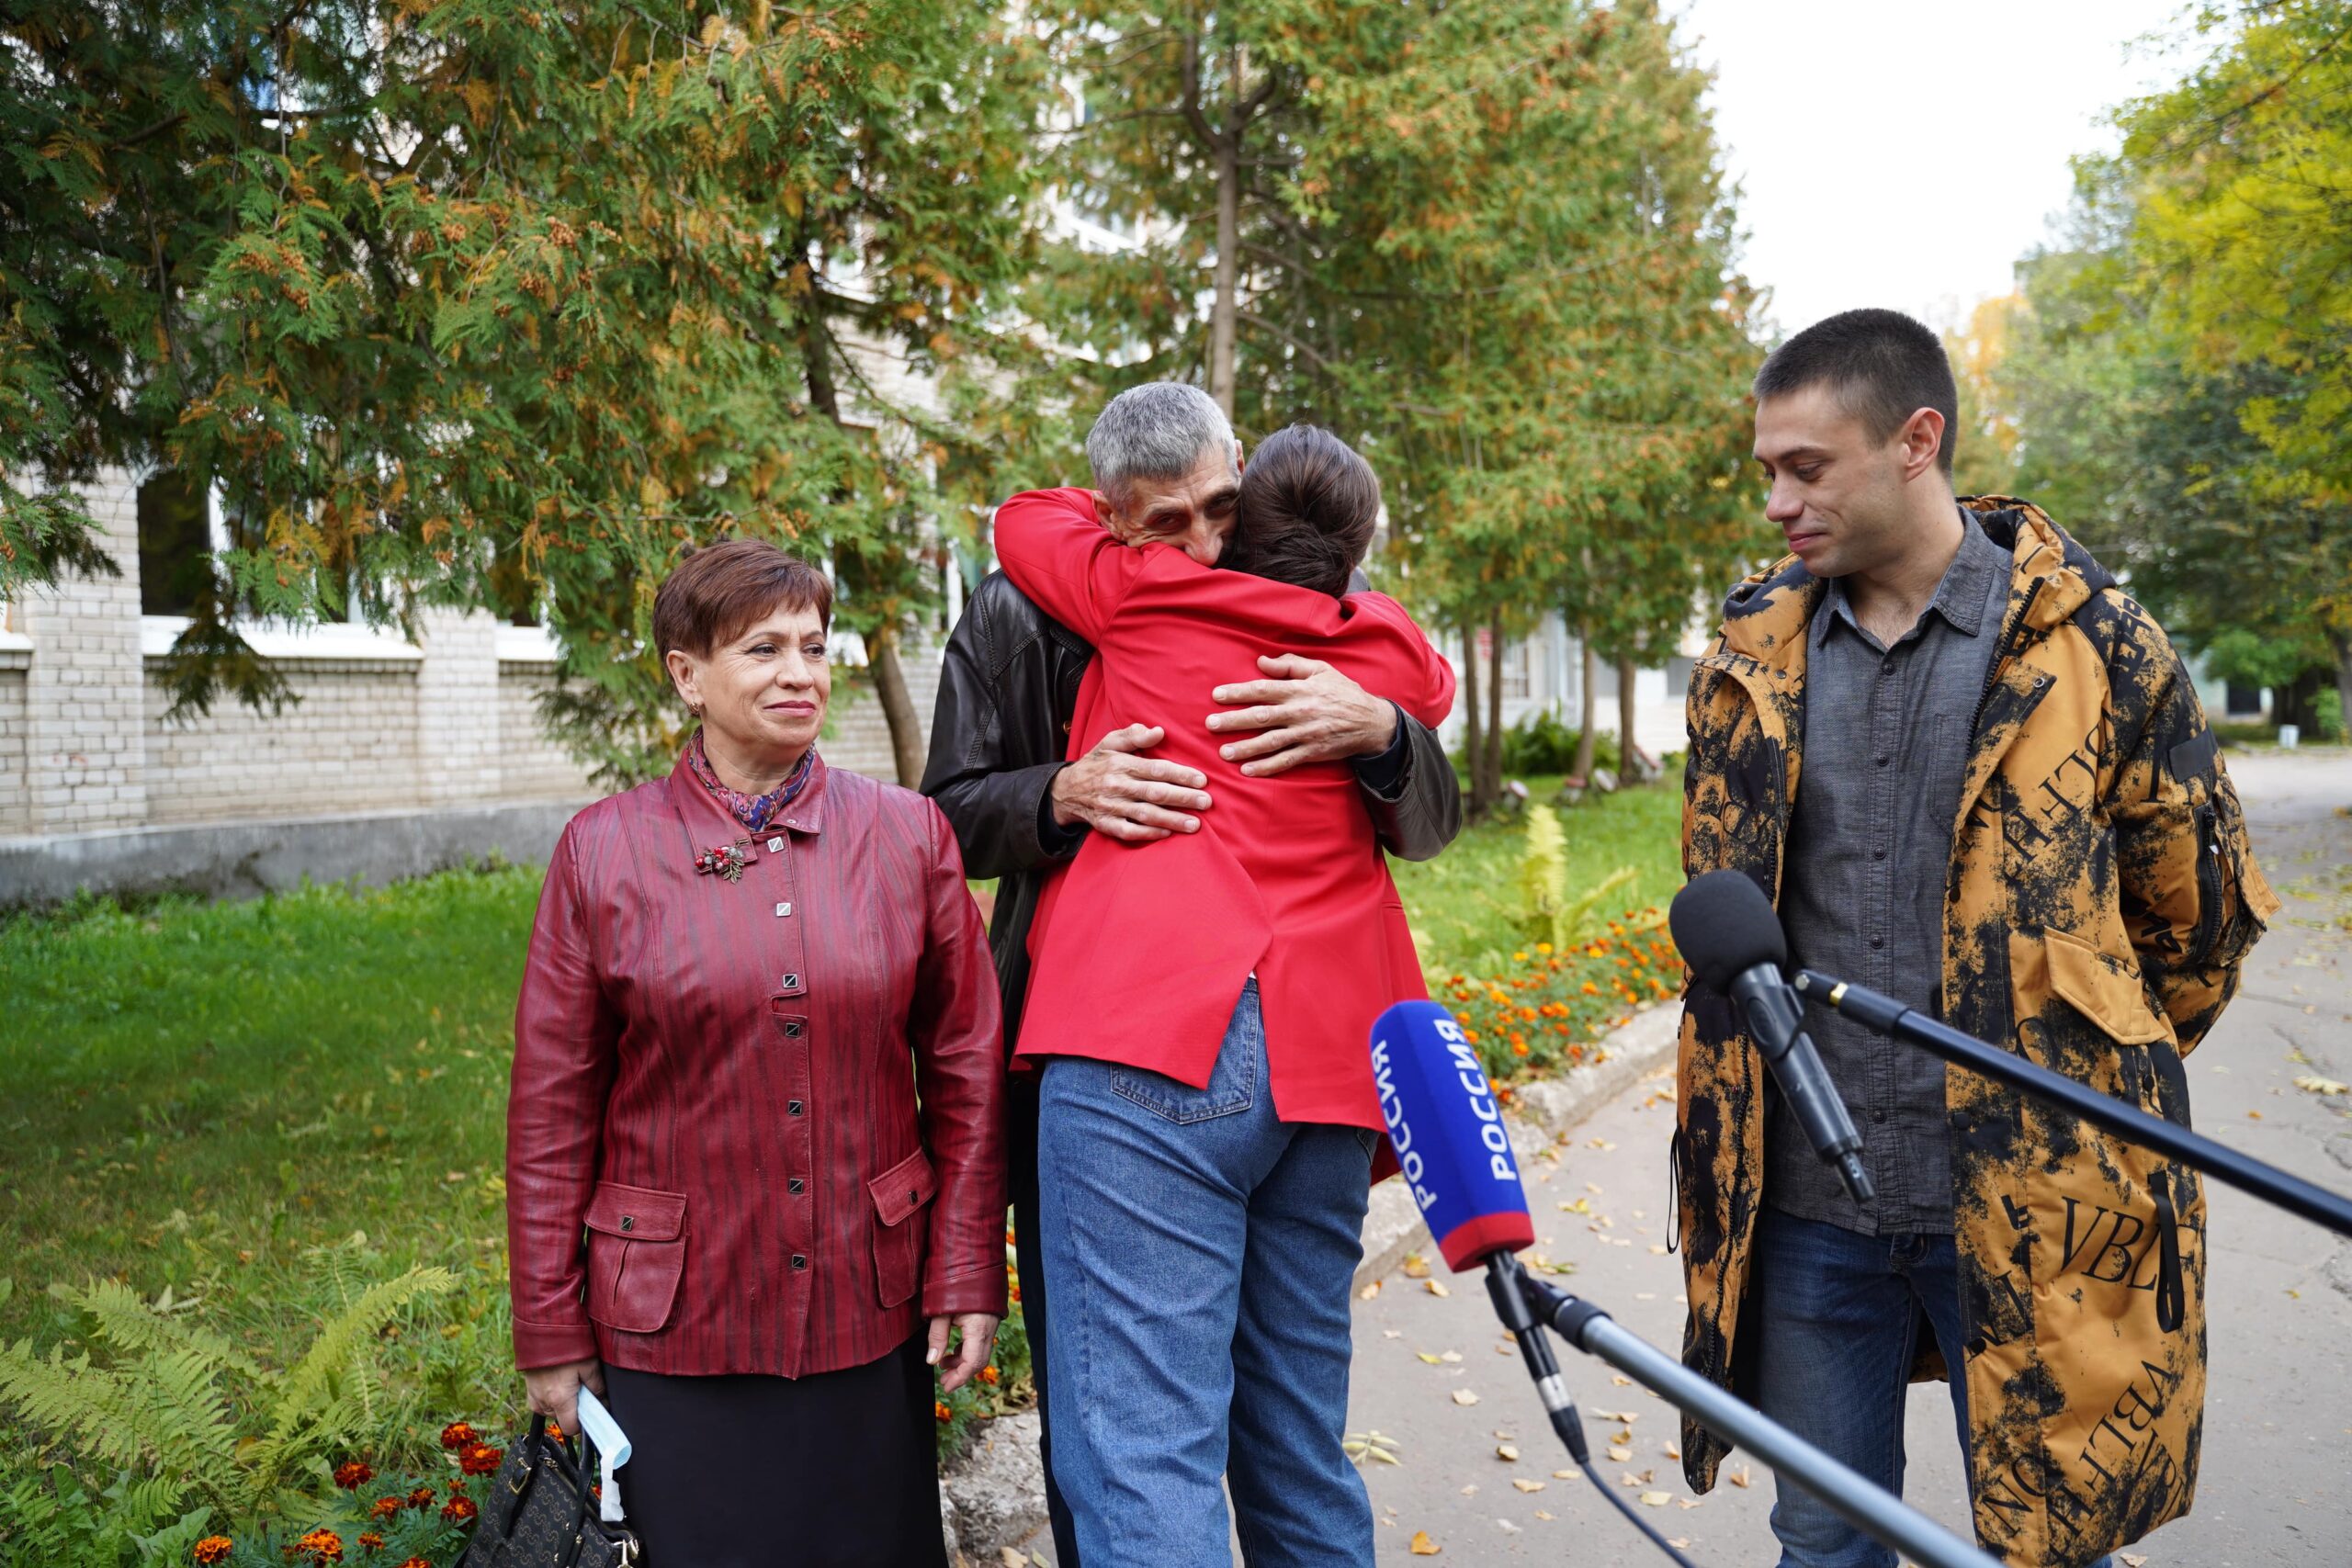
<point>1876,1513</point>
<point>1902,1022</point>
<point>1503,1279</point>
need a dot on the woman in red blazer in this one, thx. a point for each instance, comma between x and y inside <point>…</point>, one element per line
<point>755,1165</point>
<point>1201,1007</point>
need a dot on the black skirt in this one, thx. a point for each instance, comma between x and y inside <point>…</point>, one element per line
<point>749,1471</point>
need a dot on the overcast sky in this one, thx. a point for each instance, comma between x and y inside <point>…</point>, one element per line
<point>1907,154</point>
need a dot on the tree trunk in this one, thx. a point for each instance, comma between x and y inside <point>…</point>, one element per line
<point>897,707</point>
<point>1629,770</point>
<point>1587,738</point>
<point>1474,734</point>
<point>2339,639</point>
<point>1495,709</point>
<point>2297,703</point>
<point>1224,305</point>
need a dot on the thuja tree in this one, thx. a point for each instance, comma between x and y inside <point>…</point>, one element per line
<point>500,305</point>
<point>1525,248</point>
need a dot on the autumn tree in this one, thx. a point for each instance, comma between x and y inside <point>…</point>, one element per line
<point>472,302</point>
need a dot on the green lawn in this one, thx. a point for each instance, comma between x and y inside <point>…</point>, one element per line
<point>1464,904</point>
<point>199,1097</point>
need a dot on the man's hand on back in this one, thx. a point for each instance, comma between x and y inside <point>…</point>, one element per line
<point>1139,799</point>
<point>1304,712</point>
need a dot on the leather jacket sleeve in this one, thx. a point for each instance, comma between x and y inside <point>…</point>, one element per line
<point>997,810</point>
<point>959,1077</point>
<point>1422,812</point>
<point>566,1037</point>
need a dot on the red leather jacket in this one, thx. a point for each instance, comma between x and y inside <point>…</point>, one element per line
<point>718,1082</point>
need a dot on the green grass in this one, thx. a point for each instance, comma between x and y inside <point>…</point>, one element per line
<point>200,1097</point>
<point>1465,905</point>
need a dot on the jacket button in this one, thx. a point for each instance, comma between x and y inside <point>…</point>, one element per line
<point>629,1221</point>
<point>792,982</point>
<point>796,1185</point>
<point>911,1198</point>
<point>792,1108</point>
<point>792,1030</point>
<point>799,1261</point>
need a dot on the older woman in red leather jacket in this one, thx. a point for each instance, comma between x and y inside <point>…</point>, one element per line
<point>755,1165</point>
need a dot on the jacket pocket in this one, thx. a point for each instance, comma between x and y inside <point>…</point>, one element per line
<point>2102,990</point>
<point>637,1254</point>
<point>900,1195</point>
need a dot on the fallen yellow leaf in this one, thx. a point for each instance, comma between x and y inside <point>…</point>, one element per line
<point>1542,1514</point>
<point>1622,1382</point>
<point>1526,1485</point>
<point>1564,1476</point>
<point>1672,1451</point>
<point>1422,1546</point>
<point>1505,1451</point>
<point>1740,1478</point>
<point>1436,1287</point>
<point>1416,1266</point>
<point>1464,1396</point>
<point>1011,1557</point>
<point>1432,1360</point>
<point>1621,1455</point>
<point>2132,1559</point>
<point>2312,1083</point>
<point>1657,1499</point>
<point>1689,1502</point>
<point>1369,1291</point>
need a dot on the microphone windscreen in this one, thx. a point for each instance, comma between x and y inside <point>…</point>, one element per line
<point>1723,924</point>
<point>1447,1129</point>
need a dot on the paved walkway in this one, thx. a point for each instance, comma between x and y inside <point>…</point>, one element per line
<point>2277,1483</point>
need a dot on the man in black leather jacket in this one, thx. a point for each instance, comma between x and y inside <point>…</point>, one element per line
<point>1007,690</point>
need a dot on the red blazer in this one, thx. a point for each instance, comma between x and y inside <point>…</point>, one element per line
<point>717,1080</point>
<point>1141,950</point>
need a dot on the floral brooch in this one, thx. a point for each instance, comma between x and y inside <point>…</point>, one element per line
<point>725,860</point>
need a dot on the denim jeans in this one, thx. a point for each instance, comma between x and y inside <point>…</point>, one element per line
<point>1837,1318</point>
<point>1199,1253</point>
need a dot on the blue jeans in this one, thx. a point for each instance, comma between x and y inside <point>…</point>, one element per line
<point>1837,1319</point>
<point>1199,1252</point>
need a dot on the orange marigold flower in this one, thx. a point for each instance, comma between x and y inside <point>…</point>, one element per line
<point>321,1546</point>
<point>1544,948</point>
<point>1591,989</point>
<point>991,1376</point>
<point>352,1474</point>
<point>1471,1036</point>
<point>1016,1294</point>
<point>1518,1047</point>
<point>457,1434</point>
<point>1519,958</point>
<point>371,1541</point>
<point>416,1563</point>
<point>939,1408</point>
<point>213,1549</point>
<point>421,1498</point>
<point>386,1507</point>
<point>481,1460</point>
<point>460,1510</point>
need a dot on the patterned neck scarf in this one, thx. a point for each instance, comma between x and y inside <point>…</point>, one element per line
<point>754,811</point>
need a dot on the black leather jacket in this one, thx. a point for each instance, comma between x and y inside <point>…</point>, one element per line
<point>1007,690</point>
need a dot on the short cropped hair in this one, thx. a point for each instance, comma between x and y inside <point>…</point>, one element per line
<point>723,590</point>
<point>1883,367</point>
<point>1309,505</point>
<point>1157,430</point>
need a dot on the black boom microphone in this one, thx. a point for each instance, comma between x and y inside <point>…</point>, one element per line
<point>1731,938</point>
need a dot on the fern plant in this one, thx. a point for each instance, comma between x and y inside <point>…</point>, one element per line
<point>190,1424</point>
<point>1542,871</point>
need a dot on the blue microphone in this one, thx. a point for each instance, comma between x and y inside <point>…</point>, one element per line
<point>1447,1130</point>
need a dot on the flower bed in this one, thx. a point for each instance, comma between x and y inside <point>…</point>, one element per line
<point>1547,1008</point>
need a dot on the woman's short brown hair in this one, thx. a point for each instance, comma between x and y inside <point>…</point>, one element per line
<point>1309,505</point>
<point>721,589</point>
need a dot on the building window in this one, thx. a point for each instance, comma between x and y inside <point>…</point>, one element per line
<point>175,545</point>
<point>1515,668</point>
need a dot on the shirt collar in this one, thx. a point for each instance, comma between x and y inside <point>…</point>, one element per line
<point>1961,598</point>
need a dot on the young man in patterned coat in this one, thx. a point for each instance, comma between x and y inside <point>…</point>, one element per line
<point>1972,773</point>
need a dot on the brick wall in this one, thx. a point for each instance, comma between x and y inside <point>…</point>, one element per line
<point>84,704</point>
<point>349,745</point>
<point>15,793</point>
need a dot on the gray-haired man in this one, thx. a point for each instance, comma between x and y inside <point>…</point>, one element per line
<point>1166,460</point>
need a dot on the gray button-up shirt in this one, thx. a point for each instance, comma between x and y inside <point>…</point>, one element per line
<point>1862,891</point>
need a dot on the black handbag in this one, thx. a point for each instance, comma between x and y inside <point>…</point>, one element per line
<point>539,1513</point>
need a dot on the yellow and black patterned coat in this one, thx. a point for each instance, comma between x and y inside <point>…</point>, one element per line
<point>2100,900</point>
